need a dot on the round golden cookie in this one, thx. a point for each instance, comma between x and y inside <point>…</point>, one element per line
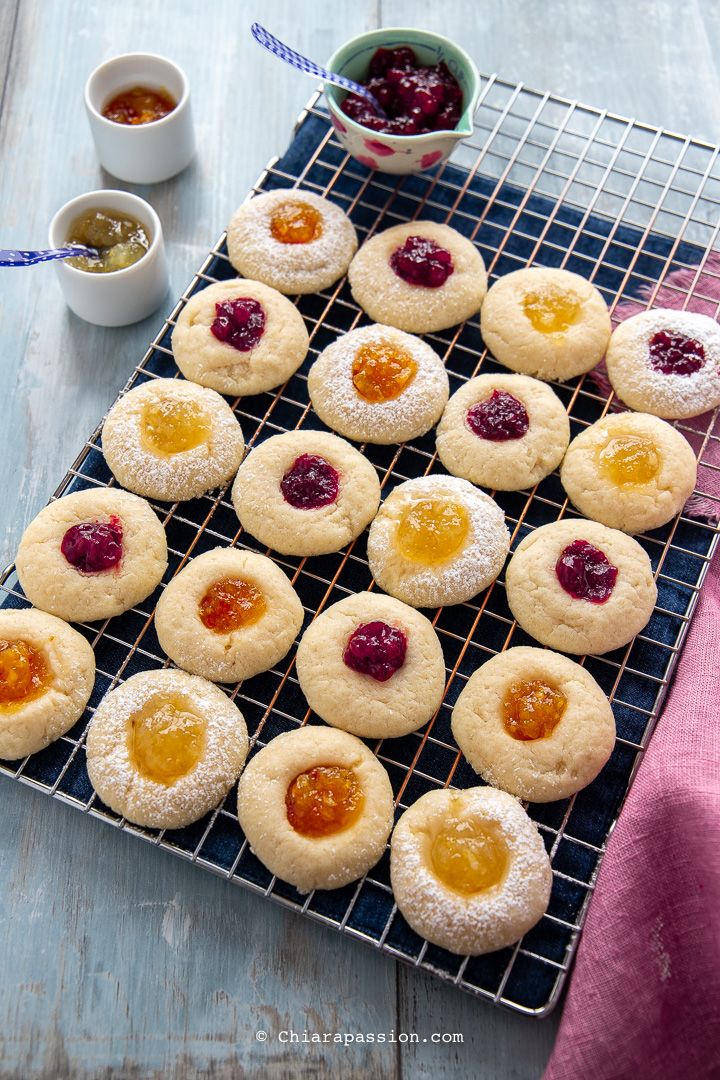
<point>172,440</point>
<point>545,322</point>
<point>554,617</point>
<point>164,748</point>
<point>73,590</point>
<point>239,372</point>
<point>504,432</point>
<point>534,723</point>
<point>337,478</point>
<point>393,679</point>
<point>469,869</point>
<point>419,309</point>
<point>631,471</point>
<point>292,240</point>
<point>437,540</point>
<point>686,343</point>
<point>228,615</point>
<point>337,795</point>
<point>378,385</point>
<point>47,673</point>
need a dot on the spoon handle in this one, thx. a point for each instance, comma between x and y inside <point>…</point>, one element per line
<point>11,257</point>
<point>302,63</point>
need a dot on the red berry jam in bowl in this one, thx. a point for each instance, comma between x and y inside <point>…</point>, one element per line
<point>422,262</point>
<point>93,546</point>
<point>240,323</point>
<point>416,99</point>
<point>376,649</point>
<point>675,354</point>
<point>498,418</point>
<point>310,483</point>
<point>586,572</point>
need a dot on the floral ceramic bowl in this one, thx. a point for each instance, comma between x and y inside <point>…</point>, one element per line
<point>401,153</point>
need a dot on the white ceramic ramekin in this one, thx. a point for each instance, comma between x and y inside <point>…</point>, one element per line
<point>141,153</point>
<point>123,296</point>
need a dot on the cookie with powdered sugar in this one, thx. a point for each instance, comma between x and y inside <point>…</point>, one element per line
<point>171,440</point>
<point>666,362</point>
<point>469,870</point>
<point>378,385</point>
<point>437,540</point>
<point>292,240</point>
<point>164,748</point>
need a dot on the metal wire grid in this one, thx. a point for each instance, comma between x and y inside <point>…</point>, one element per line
<point>533,158</point>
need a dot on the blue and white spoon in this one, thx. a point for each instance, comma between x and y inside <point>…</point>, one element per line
<point>297,60</point>
<point>10,257</point>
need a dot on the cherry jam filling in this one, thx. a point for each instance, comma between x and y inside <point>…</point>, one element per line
<point>422,262</point>
<point>416,99</point>
<point>675,354</point>
<point>376,649</point>
<point>310,482</point>
<point>499,418</point>
<point>586,572</point>
<point>240,323</point>
<point>93,546</point>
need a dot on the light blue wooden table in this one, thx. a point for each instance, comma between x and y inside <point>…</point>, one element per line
<point>118,960</point>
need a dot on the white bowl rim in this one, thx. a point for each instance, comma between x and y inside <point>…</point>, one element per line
<point>97,196</point>
<point>427,136</point>
<point>153,124</point>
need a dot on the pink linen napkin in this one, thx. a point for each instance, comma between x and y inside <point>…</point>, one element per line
<point>644,998</point>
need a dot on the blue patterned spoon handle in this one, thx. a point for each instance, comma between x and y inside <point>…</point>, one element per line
<point>10,257</point>
<point>296,60</point>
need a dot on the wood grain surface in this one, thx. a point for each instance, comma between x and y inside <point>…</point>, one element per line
<point>118,960</point>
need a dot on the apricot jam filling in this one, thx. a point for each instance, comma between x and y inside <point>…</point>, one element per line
<point>230,604</point>
<point>296,222</point>
<point>173,426</point>
<point>552,311</point>
<point>324,800</point>
<point>532,710</point>
<point>166,739</point>
<point>629,459</point>
<point>585,572</point>
<point>381,371</point>
<point>469,857</point>
<point>432,530</point>
<point>24,674</point>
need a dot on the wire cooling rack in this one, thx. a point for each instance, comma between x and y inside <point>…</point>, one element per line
<point>543,180</point>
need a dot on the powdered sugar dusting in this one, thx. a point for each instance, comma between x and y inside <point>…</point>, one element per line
<point>488,920</point>
<point>465,574</point>
<point>339,405</point>
<point>290,268</point>
<point>642,387</point>
<point>180,476</point>
<point>145,801</point>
